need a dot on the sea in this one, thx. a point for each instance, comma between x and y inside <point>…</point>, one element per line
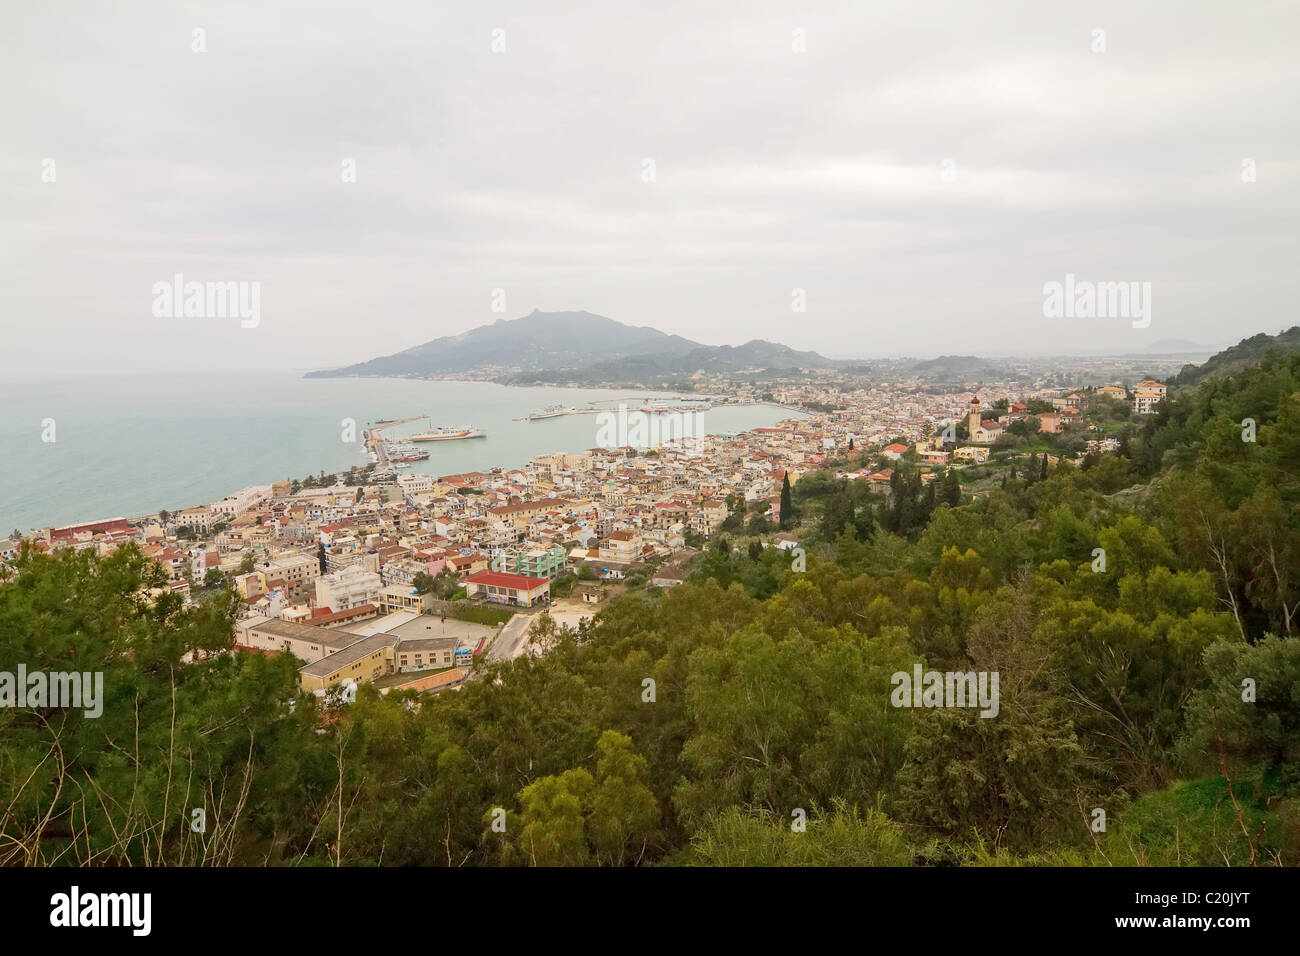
<point>106,447</point>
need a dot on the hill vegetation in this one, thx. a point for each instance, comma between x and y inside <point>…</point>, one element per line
<point>1239,357</point>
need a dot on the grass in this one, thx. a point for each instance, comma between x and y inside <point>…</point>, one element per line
<point>490,616</point>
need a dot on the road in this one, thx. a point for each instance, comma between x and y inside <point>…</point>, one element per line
<point>513,639</point>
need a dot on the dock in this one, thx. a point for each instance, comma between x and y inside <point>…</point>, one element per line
<point>374,441</point>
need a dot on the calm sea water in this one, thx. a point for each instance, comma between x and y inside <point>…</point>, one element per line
<point>131,446</point>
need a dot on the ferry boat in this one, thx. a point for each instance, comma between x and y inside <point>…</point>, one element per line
<point>550,411</point>
<point>449,433</point>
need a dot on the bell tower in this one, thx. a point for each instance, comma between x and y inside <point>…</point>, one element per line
<point>973,419</point>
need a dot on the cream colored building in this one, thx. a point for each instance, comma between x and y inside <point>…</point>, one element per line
<point>350,587</point>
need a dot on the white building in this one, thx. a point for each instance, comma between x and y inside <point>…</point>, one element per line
<point>348,588</point>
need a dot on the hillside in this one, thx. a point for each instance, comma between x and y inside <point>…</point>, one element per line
<point>571,346</point>
<point>1245,353</point>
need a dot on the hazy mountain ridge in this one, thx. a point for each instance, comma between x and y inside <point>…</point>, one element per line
<point>551,346</point>
<point>1245,353</point>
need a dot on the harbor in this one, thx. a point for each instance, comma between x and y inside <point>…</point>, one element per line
<point>650,406</point>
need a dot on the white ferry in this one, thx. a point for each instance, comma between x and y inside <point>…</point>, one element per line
<point>449,433</point>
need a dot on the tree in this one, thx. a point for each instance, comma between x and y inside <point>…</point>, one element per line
<point>624,814</point>
<point>1248,719</point>
<point>787,503</point>
<point>214,579</point>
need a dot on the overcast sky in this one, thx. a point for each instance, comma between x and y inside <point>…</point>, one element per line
<point>524,170</point>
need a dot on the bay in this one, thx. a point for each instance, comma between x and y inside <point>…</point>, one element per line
<point>128,446</point>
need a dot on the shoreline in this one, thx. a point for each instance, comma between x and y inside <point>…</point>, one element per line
<point>371,431</point>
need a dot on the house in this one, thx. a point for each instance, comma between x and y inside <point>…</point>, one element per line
<point>1147,394</point>
<point>786,542</point>
<point>619,546</point>
<point>592,594</point>
<point>894,451</point>
<point>668,577</point>
<point>1050,423</point>
<point>971,453</point>
<point>499,587</point>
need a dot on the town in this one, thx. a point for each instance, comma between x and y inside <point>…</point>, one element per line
<point>408,581</point>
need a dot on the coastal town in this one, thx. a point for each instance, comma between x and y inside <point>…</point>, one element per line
<point>408,581</point>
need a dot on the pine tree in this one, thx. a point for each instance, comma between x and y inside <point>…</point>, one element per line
<point>787,504</point>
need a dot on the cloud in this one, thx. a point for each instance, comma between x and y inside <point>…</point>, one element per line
<point>522,170</point>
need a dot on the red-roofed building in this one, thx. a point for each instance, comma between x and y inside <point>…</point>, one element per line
<point>83,534</point>
<point>502,588</point>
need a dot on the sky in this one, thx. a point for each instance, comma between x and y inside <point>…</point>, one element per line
<point>912,175</point>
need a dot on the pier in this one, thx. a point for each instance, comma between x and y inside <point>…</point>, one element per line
<point>374,441</point>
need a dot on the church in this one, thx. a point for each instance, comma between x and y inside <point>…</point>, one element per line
<point>982,432</point>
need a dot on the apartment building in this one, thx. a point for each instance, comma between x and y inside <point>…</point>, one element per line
<point>350,587</point>
<point>201,519</point>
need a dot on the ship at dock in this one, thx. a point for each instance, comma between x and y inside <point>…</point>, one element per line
<point>406,453</point>
<point>449,433</point>
<point>550,411</point>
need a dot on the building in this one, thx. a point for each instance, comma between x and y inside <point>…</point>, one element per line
<point>971,453</point>
<point>425,653</point>
<point>986,432</point>
<point>620,547</point>
<point>232,506</point>
<point>202,520</point>
<point>537,563</point>
<point>298,571</point>
<point>363,660</point>
<point>403,597</point>
<point>514,589</point>
<point>668,577</point>
<point>305,643</point>
<point>352,586</point>
<point>1147,394</point>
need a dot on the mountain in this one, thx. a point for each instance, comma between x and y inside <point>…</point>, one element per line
<point>572,346</point>
<point>1245,353</point>
<point>1178,347</point>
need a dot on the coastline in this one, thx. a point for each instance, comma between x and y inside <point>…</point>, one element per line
<point>305,422</point>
